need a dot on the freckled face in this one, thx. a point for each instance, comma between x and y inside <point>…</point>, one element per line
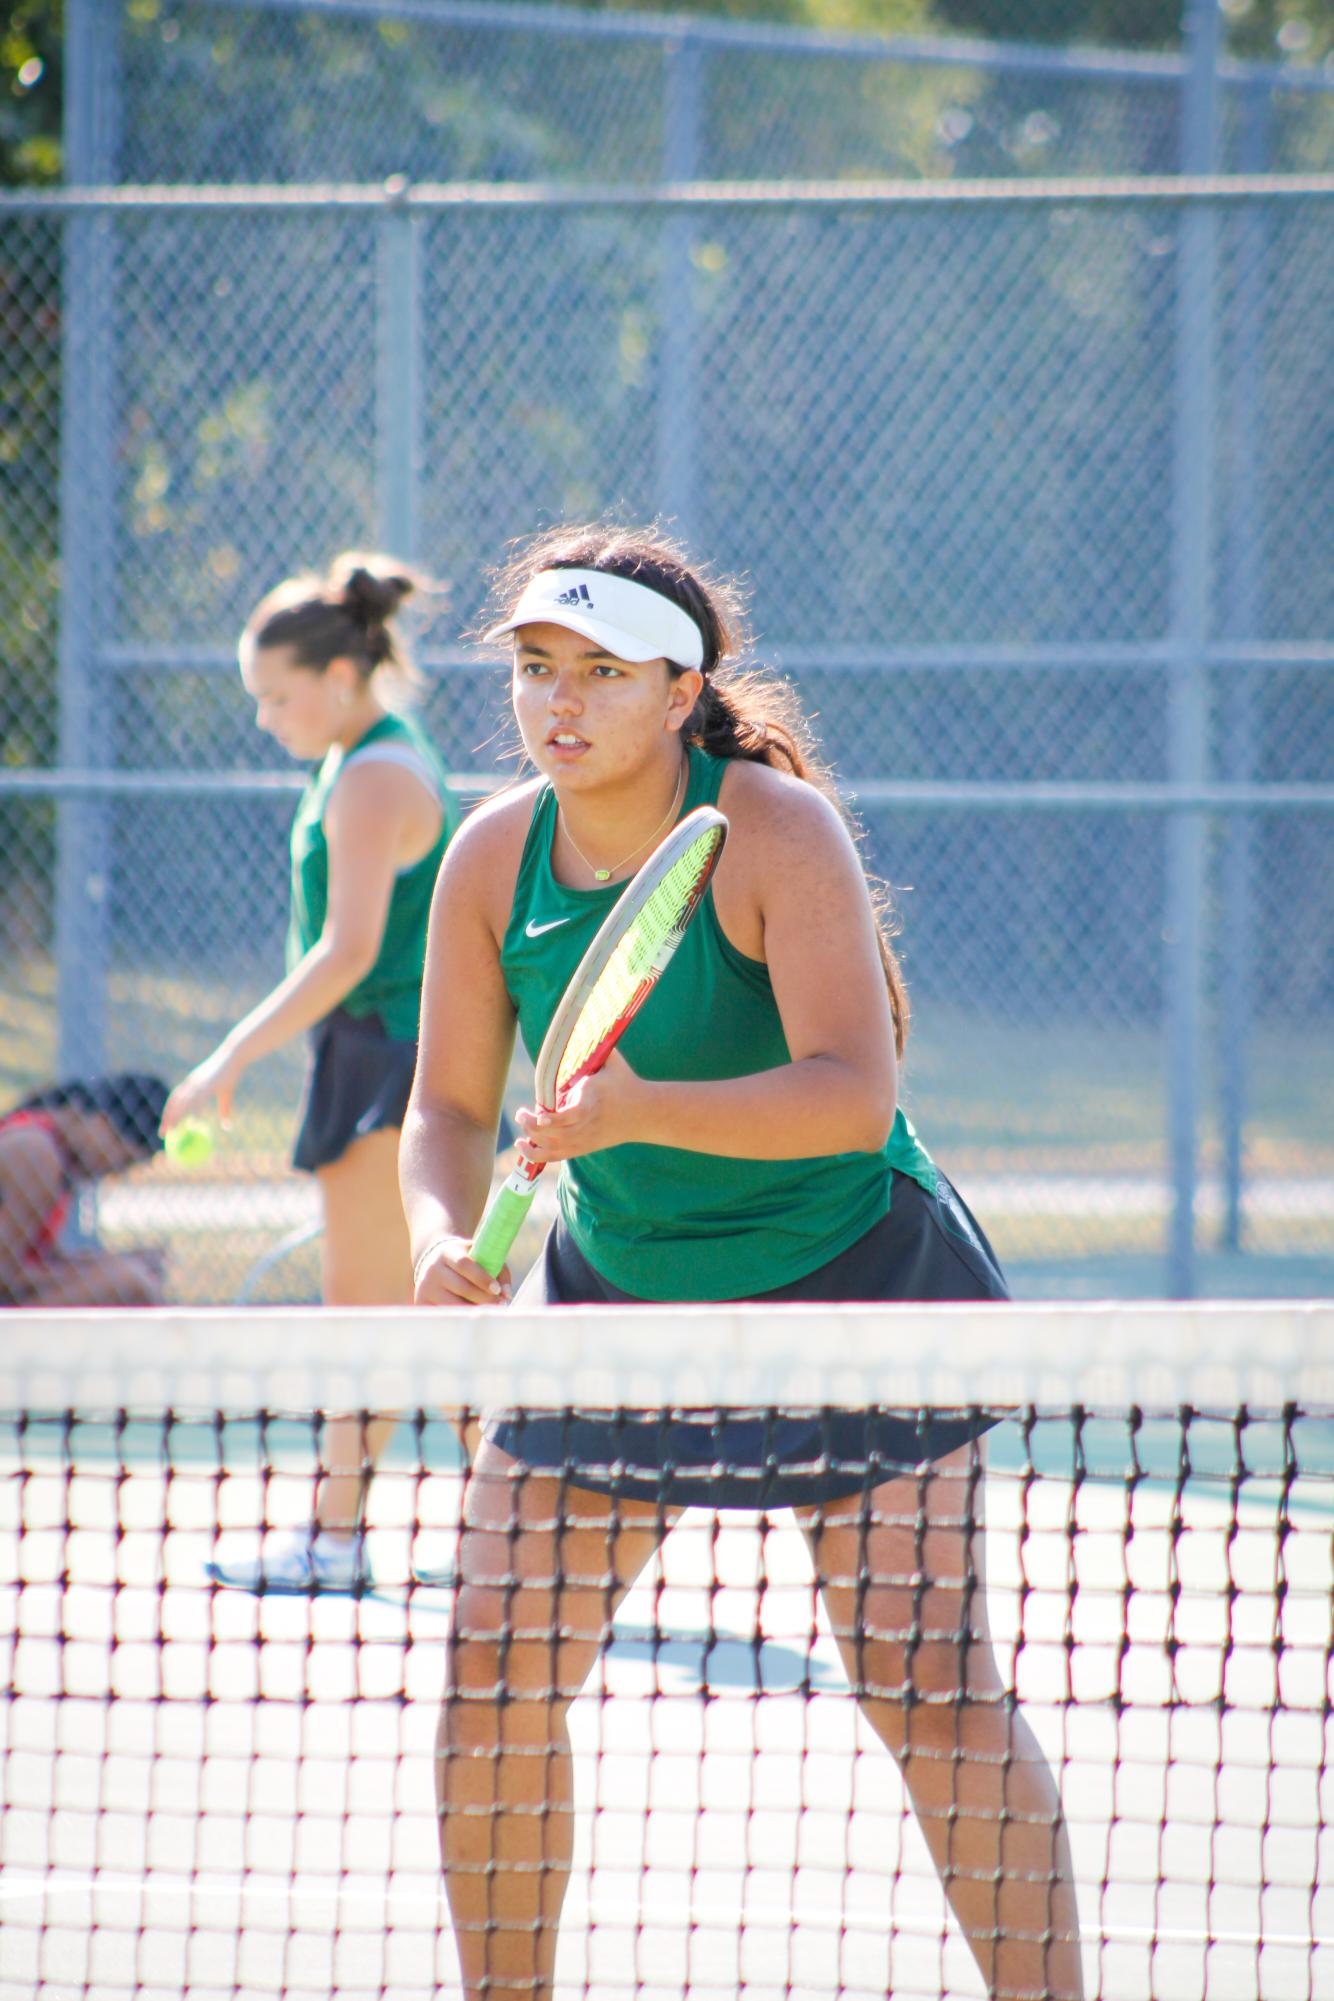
<point>586,716</point>
<point>298,707</point>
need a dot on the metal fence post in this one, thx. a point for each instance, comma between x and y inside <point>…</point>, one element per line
<point>682,67</point>
<point>1188,725</point>
<point>1236,992</point>
<point>398,376</point>
<point>87,504</point>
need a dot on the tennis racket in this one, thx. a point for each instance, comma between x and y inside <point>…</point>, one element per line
<point>616,975</point>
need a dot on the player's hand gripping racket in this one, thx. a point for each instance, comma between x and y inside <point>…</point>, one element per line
<point>610,984</point>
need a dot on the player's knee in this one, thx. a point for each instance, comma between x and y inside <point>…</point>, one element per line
<point>935,1674</point>
<point>886,1620</point>
<point>878,1674</point>
<point>492,1714</point>
<point>490,1662</point>
<point>475,1651</point>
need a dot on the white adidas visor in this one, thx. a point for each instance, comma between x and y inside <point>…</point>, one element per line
<point>630,620</point>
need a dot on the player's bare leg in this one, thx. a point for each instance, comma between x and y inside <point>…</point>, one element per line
<point>903,1584</point>
<point>366,1260</point>
<point>542,1570</point>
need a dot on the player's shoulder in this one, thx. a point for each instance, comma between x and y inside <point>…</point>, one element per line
<point>496,822</point>
<point>376,777</point>
<point>786,839</point>
<point>485,853</point>
<point>764,805</point>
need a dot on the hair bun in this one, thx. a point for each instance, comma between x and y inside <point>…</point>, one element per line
<point>371,588</point>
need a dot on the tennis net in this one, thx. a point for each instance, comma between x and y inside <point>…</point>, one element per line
<point>1074,1679</point>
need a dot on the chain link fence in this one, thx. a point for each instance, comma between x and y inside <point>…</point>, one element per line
<point>271,90</point>
<point>1031,484</point>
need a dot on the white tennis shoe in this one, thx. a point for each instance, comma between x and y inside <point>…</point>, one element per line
<point>299,1563</point>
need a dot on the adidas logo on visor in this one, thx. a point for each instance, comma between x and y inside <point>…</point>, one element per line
<point>626,617</point>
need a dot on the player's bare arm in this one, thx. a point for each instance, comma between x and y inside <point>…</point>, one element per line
<point>375,817</point>
<point>467,1039</point>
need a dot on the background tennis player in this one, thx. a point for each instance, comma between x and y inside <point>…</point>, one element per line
<point>744,1142</point>
<point>322,661</point>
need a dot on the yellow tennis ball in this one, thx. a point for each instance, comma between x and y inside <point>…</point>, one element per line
<point>190,1143</point>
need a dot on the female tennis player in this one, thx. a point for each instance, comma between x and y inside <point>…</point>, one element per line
<point>744,1142</point>
<point>322,661</point>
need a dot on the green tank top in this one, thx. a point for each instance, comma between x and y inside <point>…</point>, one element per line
<point>660,1222</point>
<point>392,987</point>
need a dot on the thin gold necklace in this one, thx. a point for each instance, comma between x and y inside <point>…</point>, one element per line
<point>605,874</point>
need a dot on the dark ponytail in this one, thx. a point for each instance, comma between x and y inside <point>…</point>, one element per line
<point>347,614</point>
<point>741,712</point>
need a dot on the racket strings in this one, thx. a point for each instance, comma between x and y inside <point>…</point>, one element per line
<point>637,958</point>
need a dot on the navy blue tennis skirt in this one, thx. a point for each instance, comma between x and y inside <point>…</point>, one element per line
<point>928,1247</point>
<point>358,1083</point>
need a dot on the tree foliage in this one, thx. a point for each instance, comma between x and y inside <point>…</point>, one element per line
<point>1296,31</point>
<point>1300,31</point>
<point>30,92</point>
<point>1271,30</point>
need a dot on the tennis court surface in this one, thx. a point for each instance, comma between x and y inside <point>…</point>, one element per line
<point>203,1792</point>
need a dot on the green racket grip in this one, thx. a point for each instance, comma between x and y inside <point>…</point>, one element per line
<point>502,1222</point>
